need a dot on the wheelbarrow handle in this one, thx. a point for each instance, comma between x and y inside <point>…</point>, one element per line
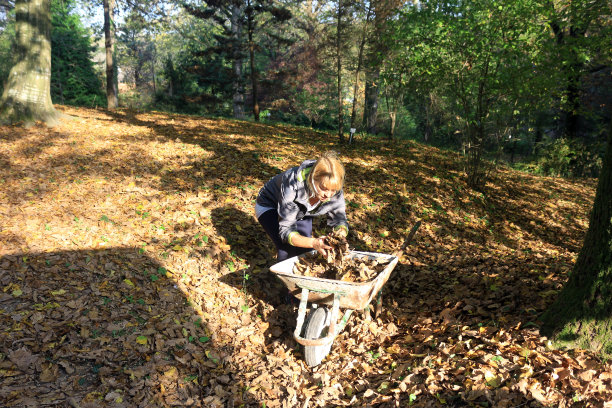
<point>300,322</point>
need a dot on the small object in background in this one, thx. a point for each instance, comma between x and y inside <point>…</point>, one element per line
<point>353,130</point>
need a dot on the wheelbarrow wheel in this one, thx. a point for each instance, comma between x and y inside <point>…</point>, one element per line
<point>317,327</point>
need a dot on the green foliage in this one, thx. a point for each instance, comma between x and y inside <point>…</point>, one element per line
<point>194,75</point>
<point>6,56</point>
<point>569,158</point>
<point>73,78</point>
<point>483,59</point>
<point>196,85</point>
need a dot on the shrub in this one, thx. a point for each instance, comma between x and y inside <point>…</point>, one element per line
<point>570,158</point>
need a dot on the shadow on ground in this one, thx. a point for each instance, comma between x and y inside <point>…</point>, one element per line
<point>92,327</point>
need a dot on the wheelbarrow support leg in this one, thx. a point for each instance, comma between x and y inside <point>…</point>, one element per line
<point>378,309</point>
<point>297,334</point>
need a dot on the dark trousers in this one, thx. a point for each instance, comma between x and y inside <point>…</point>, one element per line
<point>269,222</point>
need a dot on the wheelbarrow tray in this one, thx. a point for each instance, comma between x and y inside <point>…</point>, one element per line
<point>352,295</point>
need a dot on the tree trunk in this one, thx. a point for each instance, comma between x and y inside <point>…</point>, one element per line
<point>392,107</point>
<point>476,174</point>
<point>112,92</point>
<point>539,133</point>
<point>378,50</point>
<point>58,74</point>
<point>359,64</point>
<point>253,71</point>
<point>573,69</point>
<point>370,106</point>
<point>339,69</point>
<point>574,77</point>
<point>428,120</point>
<point>153,75</point>
<point>238,87</point>
<point>582,314</point>
<point>27,95</point>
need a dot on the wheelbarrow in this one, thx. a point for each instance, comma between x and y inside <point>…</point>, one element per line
<point>326,296</point>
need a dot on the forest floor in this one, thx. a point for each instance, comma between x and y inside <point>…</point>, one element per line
<point>133,273</point>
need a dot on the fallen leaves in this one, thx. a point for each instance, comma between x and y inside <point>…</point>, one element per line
<point>132,273</point>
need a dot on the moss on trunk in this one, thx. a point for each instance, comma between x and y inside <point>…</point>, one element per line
<point>582,314</point>
<point>27,95</point>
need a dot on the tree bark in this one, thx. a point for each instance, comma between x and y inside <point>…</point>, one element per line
<point>112,93</point>
<point>359,64</point>
<point>339,71</point>
<point>238,87</point>
<point>370,105</point>
<point>378,50</point>
<point>393,100</point>
<point>582,314</point>
<point>250,29</point>
<point>27,95</point>
<point>428,119</point>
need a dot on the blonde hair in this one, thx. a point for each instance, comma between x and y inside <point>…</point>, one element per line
<point>328,172</point>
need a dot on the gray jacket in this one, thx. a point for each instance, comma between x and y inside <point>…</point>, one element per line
<point>288,192</point>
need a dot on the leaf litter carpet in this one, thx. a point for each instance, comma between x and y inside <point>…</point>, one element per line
<point>134,274</point>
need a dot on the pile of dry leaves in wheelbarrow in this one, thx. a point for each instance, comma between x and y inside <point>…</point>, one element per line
<point>338,265</point>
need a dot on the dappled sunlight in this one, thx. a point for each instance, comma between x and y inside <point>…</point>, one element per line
<point>177,192</point>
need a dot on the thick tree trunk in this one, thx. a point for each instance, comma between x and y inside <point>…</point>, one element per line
<point>112,93</point>
<point>27,95</point>
<point>582,314</point>
<point>238,87</point>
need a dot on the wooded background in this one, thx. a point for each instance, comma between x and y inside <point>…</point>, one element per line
<point>525,82</point>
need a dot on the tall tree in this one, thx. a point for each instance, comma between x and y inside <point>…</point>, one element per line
<point>486,56</point>
<point>362,43</point>
<point>253,12</point>
<point>136,49</point>
<point>581,316</point>
<point>339,32</point>
<point>73,79</point>
<point>392,81</point>
<point>230,16</point>
<point>575,25</point>
<point>237,18</point>
<point>27,95</point>
<point>111,8</point>
<point>301,79</point>
<point>377,51</point>
<point>112,92</point>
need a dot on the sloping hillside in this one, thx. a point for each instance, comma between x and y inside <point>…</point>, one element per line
<point>133,273</point>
